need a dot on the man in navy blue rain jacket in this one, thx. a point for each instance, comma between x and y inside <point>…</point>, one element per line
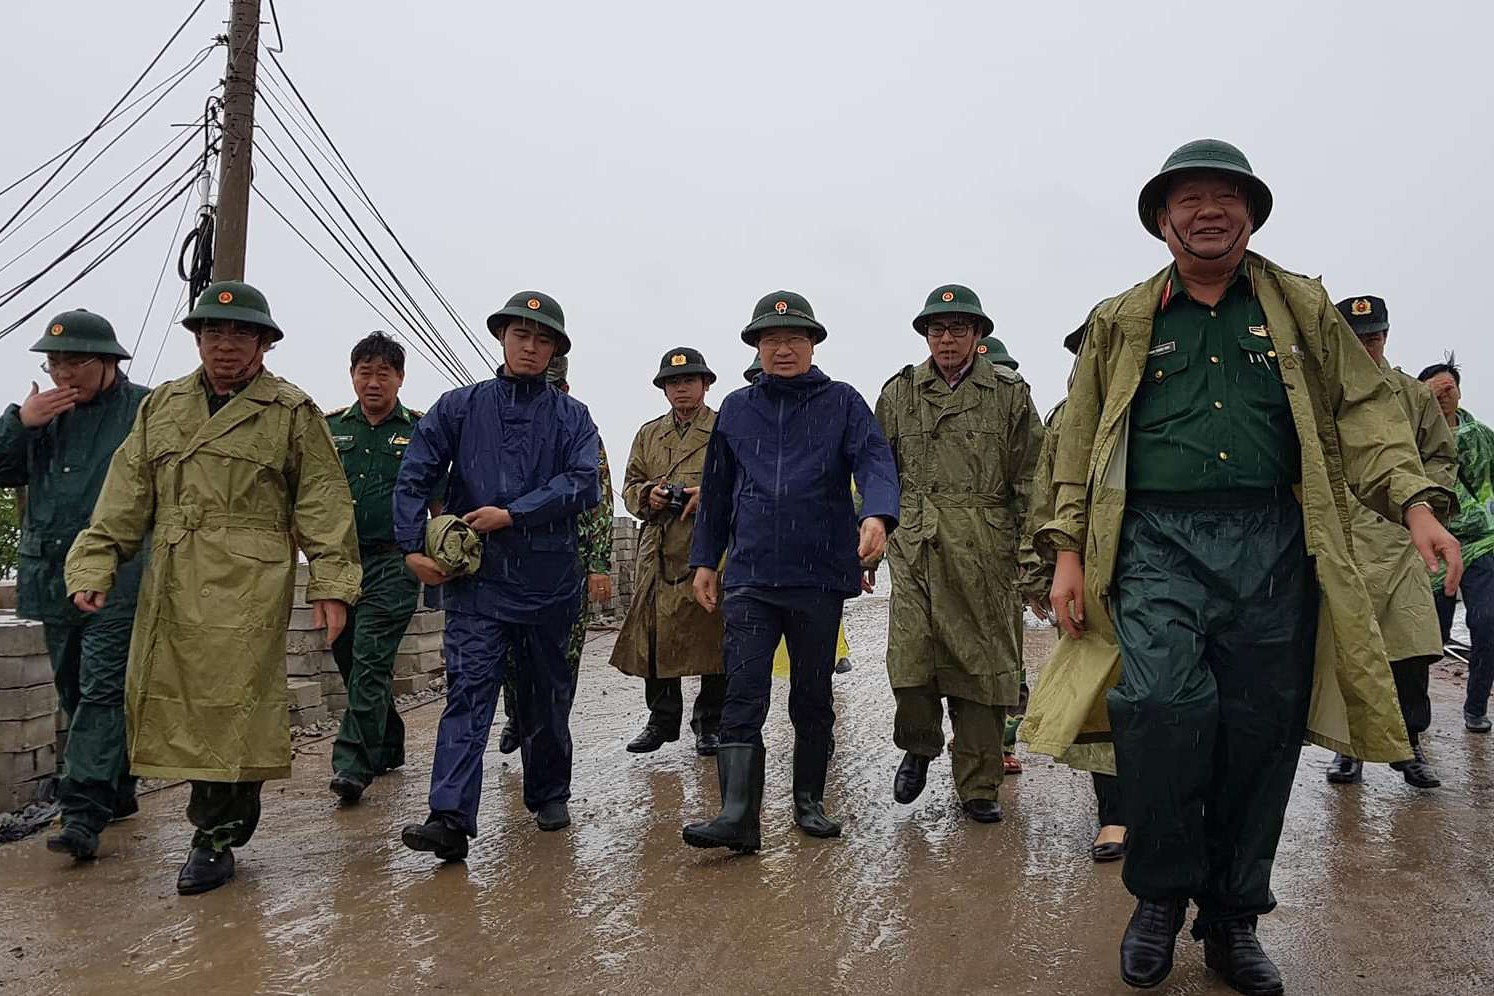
<point>776,493</point>
<point>523,464</point>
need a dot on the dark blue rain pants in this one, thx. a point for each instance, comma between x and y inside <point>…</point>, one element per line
<point>808,619</point>
<point>477,647</point>
<point>1477,593</point>
<point>1215,608</point>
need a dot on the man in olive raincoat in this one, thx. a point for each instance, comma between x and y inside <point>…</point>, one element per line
<point>667,635</point>
<point>1219,414</point>
<point>960,430</point>
<point>229,470</point>
<point>1393,570</point>
<point>57,444</point>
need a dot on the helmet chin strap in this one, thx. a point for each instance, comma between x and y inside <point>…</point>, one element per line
<point>1195,253</point>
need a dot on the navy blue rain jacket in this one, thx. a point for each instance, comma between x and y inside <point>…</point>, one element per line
<point>514,443</point>
<point>777,485</point>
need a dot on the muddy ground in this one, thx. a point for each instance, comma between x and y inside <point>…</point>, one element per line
<point>1383,889</point>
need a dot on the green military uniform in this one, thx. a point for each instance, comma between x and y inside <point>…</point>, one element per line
<point>961,454</point>
<point>371,736</point>
<point>62,466</point>
<point>1205,452</point>
<point>225,489</point>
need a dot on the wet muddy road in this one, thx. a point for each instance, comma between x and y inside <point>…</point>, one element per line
<point>1383,889</point>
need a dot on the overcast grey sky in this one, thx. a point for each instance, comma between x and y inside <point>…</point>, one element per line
<point>658,167</point>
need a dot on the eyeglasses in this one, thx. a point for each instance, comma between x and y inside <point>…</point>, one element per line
<point>956,330</point>
<point>60,364</point>
<point>237,336</point>
<point>779,341</point>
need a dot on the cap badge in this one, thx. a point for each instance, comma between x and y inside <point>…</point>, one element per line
<point>56,329</point>
<point>947,296</point>
<point>1361,306</point>
<point>226,297</point>
<point>678,360</point>
<point>533,304</point>
<point>781,307</point>
<point>1264,331</point>
<point>983,349</point>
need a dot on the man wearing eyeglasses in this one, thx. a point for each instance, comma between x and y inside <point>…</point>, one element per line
<point>226,472</point>
<point>776,493</point>
<point>523,458</point>
<point>960,430</point>
<point>57,444</point>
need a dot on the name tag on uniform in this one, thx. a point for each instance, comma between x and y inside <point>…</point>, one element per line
<point>342,439</point>
<point>399,441</point>
<point>1163,349</point>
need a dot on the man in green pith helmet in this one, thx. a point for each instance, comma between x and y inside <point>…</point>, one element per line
<point>755,368</point>
<point>667,635</point>
<point>960,430</point>
<point>228,471</point>
<point>57,444</point>
<point>1220,412</point>
<point>594,543</point>
<point>371,437</point>
<point>1393,572</point>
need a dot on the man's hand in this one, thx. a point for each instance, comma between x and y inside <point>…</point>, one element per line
<point>1436,545</point>
<point>707,588</point>
<point>90,601</point>
<point>873,541</point>
<point>1041,607</point>
<point>488,519</point>
<point>41,407</point>
<point>658,498</point>
<point>425,569</point>
<point>599,588</point>
<point>331,615</point>
<point>1067,594</point>
<point>693,505</point>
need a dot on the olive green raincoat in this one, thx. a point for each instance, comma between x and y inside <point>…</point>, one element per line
<point>455,546</point>
<point>962,455</point>
<point>230,498</point>
<point>1352,434</point>
<point>664,615</point>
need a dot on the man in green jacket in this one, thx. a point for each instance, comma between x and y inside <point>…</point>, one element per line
<point>57,444</point>
<point>1218,415</point>
<point>1393,571</point>
<point>960,431</point>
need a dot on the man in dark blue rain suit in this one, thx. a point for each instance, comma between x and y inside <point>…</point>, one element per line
<point>523,464</point>
<point>776,492</point>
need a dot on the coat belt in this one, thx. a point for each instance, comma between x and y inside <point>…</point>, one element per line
<point>959,499</point>
<point>192,517</point>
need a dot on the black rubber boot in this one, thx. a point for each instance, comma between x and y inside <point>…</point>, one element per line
<point>1231,949</point>
<point>811,759</point>
<point>553,816</point>
<point>739,771</point>
<point>437,835</point>
<point>706,744</point>
<point>912,775</point>
<point>205,870</point>
<point>347,788</point>
<point>983,810</point>
<point>1146,948</point>
<point>651,739</point>
<point>80,842</point>
<point>1418,771</point>
<point>508,737</point>
<point>1345,770</point>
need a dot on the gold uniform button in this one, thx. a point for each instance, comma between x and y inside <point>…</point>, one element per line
<point>1223,455</point>
<point>1213,359</point>
<point>1159,375</point>
<point>1271,353</point>
<point>1218,404</point>
<point>1213,313</point>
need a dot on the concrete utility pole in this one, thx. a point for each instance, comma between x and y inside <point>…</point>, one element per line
<point>236,166</point>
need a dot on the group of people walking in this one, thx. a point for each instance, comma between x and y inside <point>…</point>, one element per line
<point>1231,519</point>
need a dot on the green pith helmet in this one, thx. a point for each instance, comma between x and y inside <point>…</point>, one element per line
<point>233,301</point>
<point>783,310</point>
<point>682,361</point>
<point>80,332</point>
<point>1075,339</point>
<point>558,370</point>
<point>756,368</point>
<point>994,350</point>
<point>1366,315</point>
<point>1203,154</point>
<point>953,299</point>
<point>537,307</point>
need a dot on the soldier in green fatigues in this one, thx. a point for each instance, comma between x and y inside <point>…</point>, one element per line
<point>371,437</point>
<point>57,444</point>
<point>1393,571</point>
<point>960,430</point>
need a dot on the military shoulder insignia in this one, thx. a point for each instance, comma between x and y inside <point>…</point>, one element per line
<point>1359,307</point>
<point>983,349</point>
<point>226,297</point>
<point>947,296</point>
<point>1261,330</point>
<point>334,413</point>
<point>533,304</point>
<point>781,307</point>
<point>678,360</point>
<point>415,414</point>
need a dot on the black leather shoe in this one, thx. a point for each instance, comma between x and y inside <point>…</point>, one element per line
<point>1477,724</point>
<point>739,773</point>
<point>1345,770</point>
<point>706,744</point>
<point>983,810</point>
<point>205,870</point>
<point>1111,850</point>
<point>811,759</point>
<point>80,842</point>
<point>651,739</point>
<point>347,788</point>
<point>447,842</point>
<point>912,775</point>
<point>553,816</point>
<point>843,666</point>
<point>508,737</point>
<point>1146,948</point>
<point>1418,771</point>
<point>1231,949</point>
